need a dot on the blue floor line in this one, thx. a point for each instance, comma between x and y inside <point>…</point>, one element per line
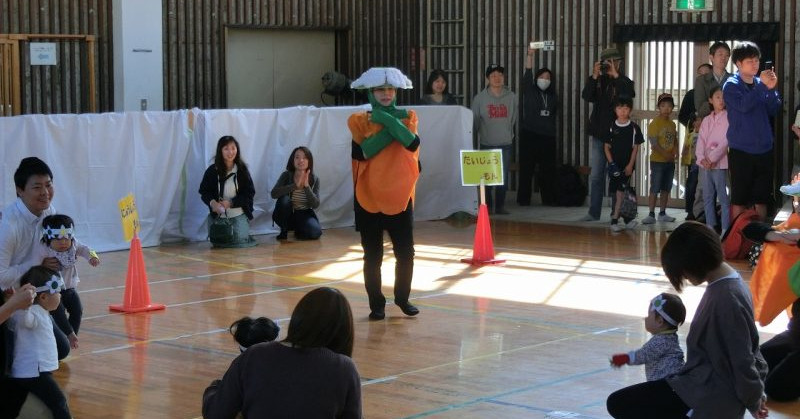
<point>454,406</point>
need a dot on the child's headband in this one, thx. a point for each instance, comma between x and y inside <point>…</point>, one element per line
<point>53,285</point>
<point>657,305</point>
<point>59,232</point>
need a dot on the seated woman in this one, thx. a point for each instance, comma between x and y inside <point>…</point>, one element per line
<point>228,190</point>
<point>297,194</point>
<point>310,374</point>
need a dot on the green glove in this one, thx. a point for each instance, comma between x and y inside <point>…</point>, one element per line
<point>374,144</point>
<point>396,128</point>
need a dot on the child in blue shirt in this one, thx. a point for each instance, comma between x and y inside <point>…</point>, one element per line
<point>751,99</point>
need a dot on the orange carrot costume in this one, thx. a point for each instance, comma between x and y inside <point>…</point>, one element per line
<point>385,182</point>
<point>385,152</point>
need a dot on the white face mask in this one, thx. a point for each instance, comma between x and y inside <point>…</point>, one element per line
<point>543,83</point>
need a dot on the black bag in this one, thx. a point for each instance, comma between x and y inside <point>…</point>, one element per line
<point>569,188</point>
<point>221,230</point>
<point>629,207</point>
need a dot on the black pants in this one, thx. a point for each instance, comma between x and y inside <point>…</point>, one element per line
<point>652,399</point>
<point>62,342</point>
<point>70,311</point>
<point>536,150</point>
<point>691,187</point>
<point>401,232</point>
<point>12,396</point>
<point>47,390</point>
<point>304,222</point>
<point>782,354</point>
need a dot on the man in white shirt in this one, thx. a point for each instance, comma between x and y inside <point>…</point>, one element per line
<point>20,229</point>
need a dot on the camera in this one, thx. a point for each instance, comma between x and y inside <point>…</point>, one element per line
<point>605,66</point>
<point>769,65</point>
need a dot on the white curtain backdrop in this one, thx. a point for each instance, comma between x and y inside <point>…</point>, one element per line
<point>160,157</point>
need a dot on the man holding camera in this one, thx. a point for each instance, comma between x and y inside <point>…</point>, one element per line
<point>602,89</point>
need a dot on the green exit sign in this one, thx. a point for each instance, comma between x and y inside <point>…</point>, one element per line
<point>692,5</point>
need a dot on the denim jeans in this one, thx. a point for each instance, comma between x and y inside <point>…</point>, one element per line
<point>715,182</point>
<point>304,222</point>
<point>597,159</point>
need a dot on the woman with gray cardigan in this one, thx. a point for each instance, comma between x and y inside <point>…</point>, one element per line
<point>297,194</point>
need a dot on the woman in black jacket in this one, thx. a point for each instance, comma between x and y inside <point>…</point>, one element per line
<point>537,139</point>
<point>227,188</point>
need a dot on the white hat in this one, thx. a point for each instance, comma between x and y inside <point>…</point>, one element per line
<point>382,76</point>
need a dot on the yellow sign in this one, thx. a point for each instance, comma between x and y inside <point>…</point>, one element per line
<point>481,164</point>
<point>130,217</point>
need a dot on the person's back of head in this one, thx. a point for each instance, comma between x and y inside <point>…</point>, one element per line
<point>693,250</point>
<point>30,166</point>
<point>248,331</point>
<point>322,319</point>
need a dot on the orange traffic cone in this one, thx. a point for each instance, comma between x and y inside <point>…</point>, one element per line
<point>137,292</point>
<point>483,248</point>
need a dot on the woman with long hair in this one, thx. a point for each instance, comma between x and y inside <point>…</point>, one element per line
<point>227,189</point>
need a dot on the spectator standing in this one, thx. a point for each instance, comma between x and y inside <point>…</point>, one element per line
<point>712,156</point>
<point>687,116</point>
<point>494,112</point>
<point>663,138</point>
<point>751,99</point>
<point>537,134</point>
<point>602,89</point>
<point>435,92</point>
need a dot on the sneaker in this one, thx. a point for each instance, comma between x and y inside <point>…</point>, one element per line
<point>664,218</point>
<point>617,227</point>
<point>284,234</point>
<point>649,220</point>
<point>791,190</point>
<point>630,225</point>
<point>588,217</point>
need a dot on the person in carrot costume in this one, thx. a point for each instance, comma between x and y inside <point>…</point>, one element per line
<point>385,159</point>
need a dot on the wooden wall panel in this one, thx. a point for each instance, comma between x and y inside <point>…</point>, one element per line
<point>63,88</point>
<point>392,32</point>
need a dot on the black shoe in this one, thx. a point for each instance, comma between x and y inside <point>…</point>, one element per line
<point>283,235</point>
<point>377,314</point>
<point>501,211</point>
<point>408,309</point>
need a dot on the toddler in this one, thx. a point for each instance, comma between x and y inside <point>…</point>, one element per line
<point>58,241</point>
<point>35,353</point>
<point>662,355</point>
<point>247,331</point>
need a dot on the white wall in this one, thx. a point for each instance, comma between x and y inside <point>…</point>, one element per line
<point>138,67</point>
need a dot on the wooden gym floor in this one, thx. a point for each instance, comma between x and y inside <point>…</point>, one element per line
<point>524,339</point>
